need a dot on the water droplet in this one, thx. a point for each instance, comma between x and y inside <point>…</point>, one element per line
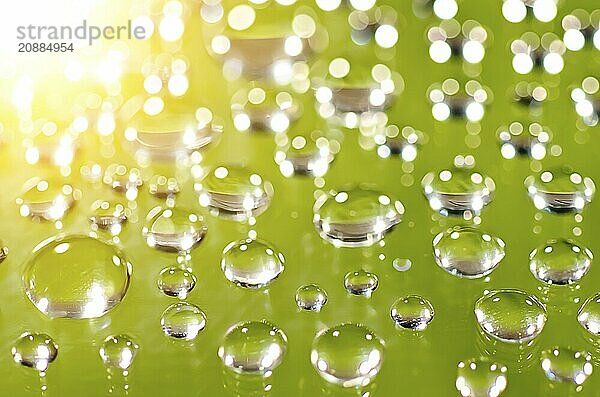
<point>589,314</point>
<point>402,265</point>
<point>481,378</point>
<point>356,217</point>
<point>177,282</point>
<point>174,229</point>
<point>361,282</point>
<point>251,263</point>
<point>560,262</point>
<point>35,350</point>
<point>76,276</point>
<point>163,187</point>
<point>458,190</point>
<point>560,190</point>
<point>123,180</point>
<point>253,347</point>
<point>235,193</point>
<point>304,155</point>
<point>118,351</point>
<point>468,252</point>
<point>183,321</point>
<point>511,315</point>
<point>109,215</point>
<point>3,251</point>
<point>412,312</point>
<point>566,365</point>
<point>311,297</point>
<point>172,135</point>
<point>48,199</point>
<point>264,109</point>
<point>349,355</point>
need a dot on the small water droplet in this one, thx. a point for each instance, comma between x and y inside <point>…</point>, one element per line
<point>123,180</point>
<point>560,190</point>
<point>589,315</point>
<point>183,321</point>
<point>481,378</point>
<point>251,263</point>
<point>402,265</point>
<point>3,251</point>
<point>304,155</point>
<point>361,282</point>
<point>163,187</point>
<point>177,282</point>
<point>468,252</point>
<point>560,262</point>
<point>118,351</point>
<point>412,312</point>
<point>88,286</point>
<point>458,190</point>
<point>566,365</point>
<point>109,215</point>
<point>234,192</point>
<point>35,350</point>
<point>511,315</point>
<point>253,347</point>
<point>174,229</point>
<point>349,355</point>
<point>311,297</point>
<point>356,217</point>
<point>48,199</point>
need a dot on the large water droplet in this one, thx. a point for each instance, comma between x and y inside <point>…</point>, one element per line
<point>251,263</point>
<point>412,312</point>
<point>234,192</point>
<point>311,297</point>
<point>468,252</point>
<point>177,282</point>
<point>183,321</point>
<point>589,314</point>
<point>481,378</point>
<point>174,229</point>
<point>349,355</point>
<point>511,315</point>
<point>253,347</point>
<point>560,190</point>
<point>356,217</point>
<point>560,262</point>
<point>47,199</point>
<point>458,190</point>
<point>76,276</point>
<point>118,351</point>
<point>361,282</point>
<point>35,350</point>
<point>566,365</point>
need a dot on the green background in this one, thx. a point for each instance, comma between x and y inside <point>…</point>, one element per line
<point>414,365</point>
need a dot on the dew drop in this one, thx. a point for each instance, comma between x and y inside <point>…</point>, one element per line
<point>356,217</point>
<point>183,321</point>
<point>311,297</point>
<point>560,262</point>
<point>253,347</point>
<point>3,251</point>
<point>412,312</point>
<point>118,351</point>
<point>35,350</point>
<point>511,315</point>
<point>458,190</point>
<point>108,215</point>
<point>560,190</point>
<point>177,282</point>
<point>349,355</point>
<point>468,252</point>
<point>589,315</point>
<point>566,365</point>
<point>304,156</point>
<point>174,229</point>
<point>361,282</point>
<point>76,276</point>
<point>251,263</point>
<point>47,199</point>
<point>234,192</point>
<point>481,378</point>
<point>163,187</point>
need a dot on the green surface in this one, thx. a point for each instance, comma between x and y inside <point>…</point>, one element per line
<point>414,365</point>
